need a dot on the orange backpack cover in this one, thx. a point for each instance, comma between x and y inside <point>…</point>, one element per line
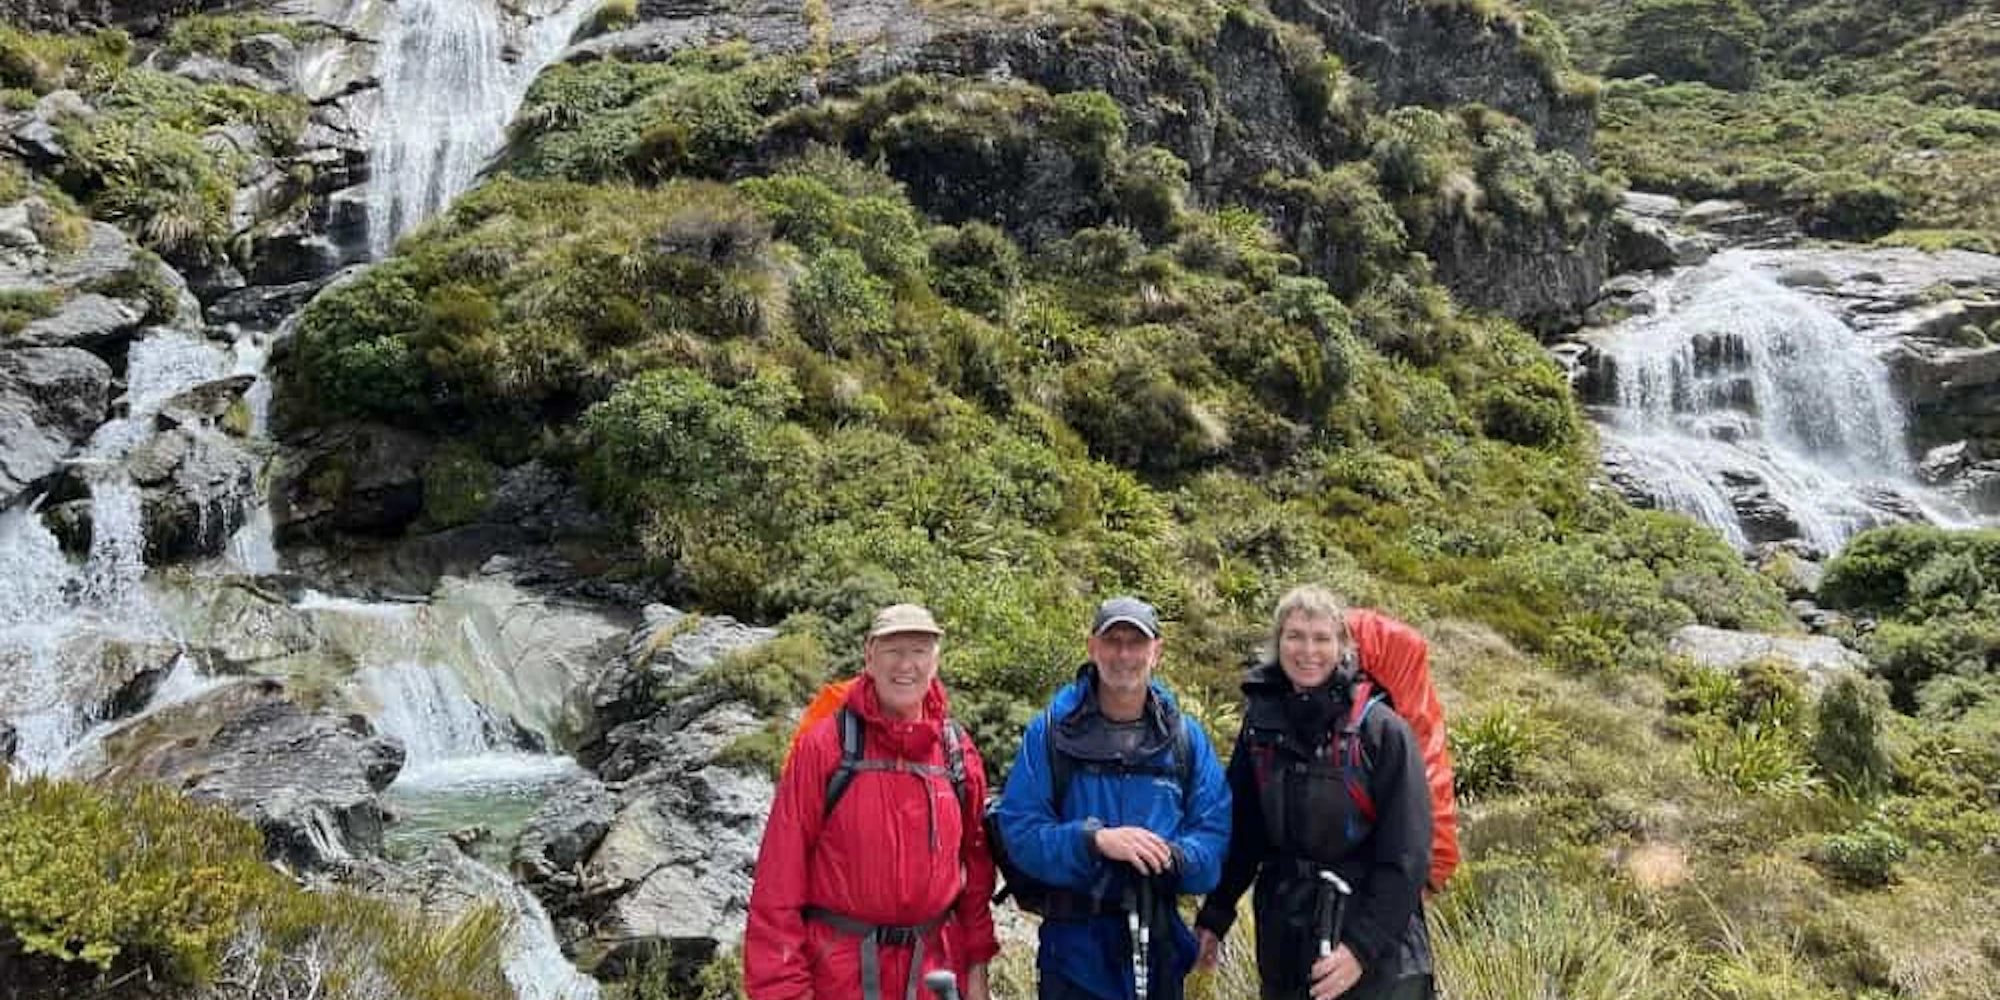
<point>1399,660</point>
<point>823,706</point>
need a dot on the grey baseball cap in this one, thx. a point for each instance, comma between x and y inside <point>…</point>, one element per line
<point>1127,611</point>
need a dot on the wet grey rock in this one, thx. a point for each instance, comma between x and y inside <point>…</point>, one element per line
<point>1945,463</point>
<point>308,779</point>
<point>265,306</point>
<point>205,404</point>
<point>361,479</point>
<point>669,649</point>
<point>1805,277</point>
<point>197,484</point>
<point>564,832</point>
<point>291,254</point>
<point>1649,243</point>
<point>51,399</point>
<point>239,625</point>
<point>9,742</point>
<point>1761,516</point>
<point>1822,659</point>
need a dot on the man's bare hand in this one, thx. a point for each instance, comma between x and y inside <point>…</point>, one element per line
<point>1335,974</point>
<point>1137,846</point>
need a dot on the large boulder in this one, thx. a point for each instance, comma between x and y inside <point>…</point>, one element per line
<point>1821,658</point>
<point>670,870</point>
<point>51,399</point>
<point>308,779</point>
<point>668,650</point>
<point>352,479</point>
<point>674,868</point>
<point>198,486</point>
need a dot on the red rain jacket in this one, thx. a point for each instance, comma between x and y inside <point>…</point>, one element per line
<point>1399,659</point>
<point>899,850</point>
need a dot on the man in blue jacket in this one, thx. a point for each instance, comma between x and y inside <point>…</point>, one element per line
<point>1118,803</point>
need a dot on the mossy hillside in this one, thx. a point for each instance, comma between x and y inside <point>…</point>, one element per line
<point>807,397</point>
<point>1865,120</point>
<point>102,886</point>
<point>142,160</point>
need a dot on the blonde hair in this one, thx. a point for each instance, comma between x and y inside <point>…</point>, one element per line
<point>1313,601</point>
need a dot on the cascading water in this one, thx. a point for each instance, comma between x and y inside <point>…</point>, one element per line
<point>449,88</point>
<point>56,617</point>
<point>451,79</point>
<point>1753,408</point>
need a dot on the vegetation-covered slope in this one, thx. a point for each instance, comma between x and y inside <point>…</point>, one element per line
<point>1005,346</point>
<point>1866,119</point>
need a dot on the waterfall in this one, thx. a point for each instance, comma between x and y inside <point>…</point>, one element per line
<point>450,85</point>
<point>55,616</point>
<point>535,965</point>
<point>1755,409</point>
<point>428,709</point>
<point>34,578</point>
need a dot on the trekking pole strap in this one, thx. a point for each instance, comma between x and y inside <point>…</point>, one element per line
<point>873,937</point>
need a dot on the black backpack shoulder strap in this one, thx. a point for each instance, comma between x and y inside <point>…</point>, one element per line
<point>1061,765</point>
<point>853,736</point>
<point>1184,753</point>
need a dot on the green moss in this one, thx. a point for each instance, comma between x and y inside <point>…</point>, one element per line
<point>218,35</point>
<point>612,120</point>
<point>610,16</point>
<point>19,307</point>
<point>458,486</point>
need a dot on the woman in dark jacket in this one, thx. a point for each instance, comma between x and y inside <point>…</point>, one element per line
<point>1326,779</point>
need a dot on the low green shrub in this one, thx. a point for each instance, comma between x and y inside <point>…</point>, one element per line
<point>20,307</point>
<point>1865,856</point>
<point>1845,747</point>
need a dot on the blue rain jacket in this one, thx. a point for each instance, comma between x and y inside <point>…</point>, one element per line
<point>1093,956</point>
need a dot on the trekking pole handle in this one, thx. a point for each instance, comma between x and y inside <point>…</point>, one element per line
<point>1332,909</point>
<point>942,983</point>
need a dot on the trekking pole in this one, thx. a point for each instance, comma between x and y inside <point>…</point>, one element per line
<point>1333,893</point>
<point>1139,921</point>
<point>942,983</point>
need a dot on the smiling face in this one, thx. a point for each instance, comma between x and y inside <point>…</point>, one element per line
<point>1125,657</point>
<point>1309,648</point>
<point>902,664</point>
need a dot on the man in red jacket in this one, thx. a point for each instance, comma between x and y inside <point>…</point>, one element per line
<point>874,868</point>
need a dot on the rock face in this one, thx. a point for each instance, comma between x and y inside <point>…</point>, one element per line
<point>1821,658</point>
<point>1226,106</point>
<point>51,399</point>
<point>351,479</point>
<point>663,863</point>
<point>307,779</point>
